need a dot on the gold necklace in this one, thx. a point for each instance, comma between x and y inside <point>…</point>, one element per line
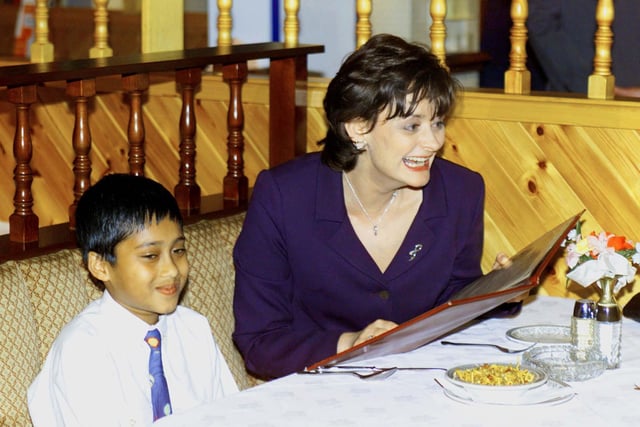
<point>376,225</point>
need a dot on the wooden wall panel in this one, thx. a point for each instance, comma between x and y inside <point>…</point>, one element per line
<point>541,170</point>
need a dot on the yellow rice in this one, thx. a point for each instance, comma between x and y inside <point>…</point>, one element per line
<point>490,374</point>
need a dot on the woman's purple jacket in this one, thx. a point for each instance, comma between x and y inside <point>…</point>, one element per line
<point>303,277</point>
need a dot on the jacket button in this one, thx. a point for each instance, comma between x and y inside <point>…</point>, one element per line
<point>383,295</point>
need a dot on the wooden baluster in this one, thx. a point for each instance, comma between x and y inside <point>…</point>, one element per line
<point>363,25</point>
<point>235,184</point>
<point>287,109</point>
<point>80,91</point>
<point>41,48</point>
<point>291,25</point>
<point>101,47</point>
<point>224,22</point>
<point>517,79</point>
<point>136,85</point>
<point>187,191</point>
<point>23,222</point>
<point>438,30</point>
<point>602,82</point>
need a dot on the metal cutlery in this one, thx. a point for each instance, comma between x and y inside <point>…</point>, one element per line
<point>365,372</point>
<point>499,347</point>
<point>378,374</point>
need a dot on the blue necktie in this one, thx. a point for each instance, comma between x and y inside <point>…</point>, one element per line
<point>159,389</point>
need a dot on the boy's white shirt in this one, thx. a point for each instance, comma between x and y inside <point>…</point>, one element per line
<point>96,372</point>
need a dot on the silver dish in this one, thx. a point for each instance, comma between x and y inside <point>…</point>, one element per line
<point>565,362</point>
<point>544,334</point>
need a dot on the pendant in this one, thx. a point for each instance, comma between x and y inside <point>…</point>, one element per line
<point>375,230</point>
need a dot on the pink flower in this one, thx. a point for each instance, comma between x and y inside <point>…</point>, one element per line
<point>598,244</point>
<point>572,257</point>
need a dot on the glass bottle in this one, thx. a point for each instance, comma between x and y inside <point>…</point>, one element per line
<point>583,327</point>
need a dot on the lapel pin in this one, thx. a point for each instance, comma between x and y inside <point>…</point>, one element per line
<point>412,253</point>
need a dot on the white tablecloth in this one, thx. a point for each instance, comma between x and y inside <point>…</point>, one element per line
<point>413,398</point>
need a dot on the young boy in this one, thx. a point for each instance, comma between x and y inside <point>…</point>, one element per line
<point>102,370</point>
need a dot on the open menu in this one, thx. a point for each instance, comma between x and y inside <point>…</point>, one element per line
<point>477,298</point>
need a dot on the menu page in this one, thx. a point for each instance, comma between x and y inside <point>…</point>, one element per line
<point>526,266</point>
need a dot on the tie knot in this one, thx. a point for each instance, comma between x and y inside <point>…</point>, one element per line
<point>153,338</point>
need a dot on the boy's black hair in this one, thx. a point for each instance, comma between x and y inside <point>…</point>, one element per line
<point>116,207</point>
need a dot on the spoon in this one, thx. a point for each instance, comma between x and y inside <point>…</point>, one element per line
<point>378,374</point>
<point>499,347</point>
<point>382,373</point>
<point>365,372</point>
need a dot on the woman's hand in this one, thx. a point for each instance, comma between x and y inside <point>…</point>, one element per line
<point>502,261</point>
<point>350,339</point>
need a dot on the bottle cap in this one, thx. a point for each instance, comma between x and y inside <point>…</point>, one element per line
<point>584,309</point>
<point>608,313</point>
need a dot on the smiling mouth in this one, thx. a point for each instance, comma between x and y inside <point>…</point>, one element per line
<point>168,290</point>
<point>415,162</point>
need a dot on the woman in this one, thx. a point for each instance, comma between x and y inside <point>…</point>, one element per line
<point>343,245</point>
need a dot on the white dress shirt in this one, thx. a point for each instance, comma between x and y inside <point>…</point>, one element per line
<point>96,372</point>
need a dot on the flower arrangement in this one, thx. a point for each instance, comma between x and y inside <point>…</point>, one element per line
<point>595,256</point>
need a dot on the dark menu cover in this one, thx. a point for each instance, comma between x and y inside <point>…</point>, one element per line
<point>477,298</point>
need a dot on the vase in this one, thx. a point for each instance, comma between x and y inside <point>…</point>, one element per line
<point>608,323</point>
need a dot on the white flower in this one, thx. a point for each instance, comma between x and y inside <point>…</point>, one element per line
<point>608,264</point>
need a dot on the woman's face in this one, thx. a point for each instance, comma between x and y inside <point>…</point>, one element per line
<point>401,151</point>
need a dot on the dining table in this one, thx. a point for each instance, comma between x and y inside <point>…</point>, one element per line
<point>417,397</point>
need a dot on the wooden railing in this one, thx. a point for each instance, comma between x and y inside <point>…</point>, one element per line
<point>287,84</point>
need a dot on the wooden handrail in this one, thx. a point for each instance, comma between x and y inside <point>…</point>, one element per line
<point>287,135</point>
<point>77,69</point>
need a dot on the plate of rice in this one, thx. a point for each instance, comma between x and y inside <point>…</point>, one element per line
<point>495,381</point>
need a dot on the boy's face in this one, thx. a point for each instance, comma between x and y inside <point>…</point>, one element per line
<point>150,271</point>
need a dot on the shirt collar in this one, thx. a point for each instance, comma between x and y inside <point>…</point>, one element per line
<point>125,323</point>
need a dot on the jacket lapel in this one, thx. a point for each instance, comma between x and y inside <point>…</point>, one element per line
<point>333,226</point>
<point>421,236</point>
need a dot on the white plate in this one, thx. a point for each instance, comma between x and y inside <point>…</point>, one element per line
<point>552,393</point>
<point>546,334</point>
<point>486,392</point>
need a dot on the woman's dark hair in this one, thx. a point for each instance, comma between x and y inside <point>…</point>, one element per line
<point>385,72</point>
<point>116,207</point>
